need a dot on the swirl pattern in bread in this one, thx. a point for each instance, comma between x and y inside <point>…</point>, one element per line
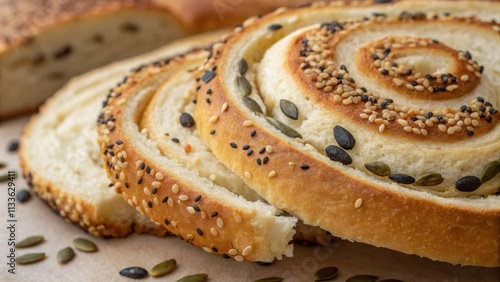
<point>380,129</point>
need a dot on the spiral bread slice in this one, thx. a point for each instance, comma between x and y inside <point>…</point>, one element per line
<point>158,180</point>
<point>60,157</point>
<point>382,130</point>
<point>43,43</point>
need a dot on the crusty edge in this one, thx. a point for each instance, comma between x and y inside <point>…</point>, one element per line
<point>407,221</point>
<point>200,219</point>
<point>74,209</point>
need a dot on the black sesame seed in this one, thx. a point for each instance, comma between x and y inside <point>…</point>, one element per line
<point>139,181</point>
<point>387,51</point>
<point>252,134</point>
<point>304,166</point>
<point>13,146</point>
<point>402,178</point>
<point>212,132</point>
<point>110,146</point>
<point>414,83</point>
<point>453,79</point>
<point>261,151</point>
<point>150,205</point>
<point>207,76</point>
<point>343,67</point>
<point>148,169</point>
<point>209,91</point>
<point>463,108</point>
<point>195,101</point>
<point>112,153</point>
<point>245,147</point>
<point>489,119</point>
<point>375,57</point>
<point>126,184</point>
<point>186,120</point>
<point>493,111</point>
<point>23,196</point>
<point>428,115</point>
<point>482,109</point>
<point>384,105</point>
<point>119,142</point>
<point>468,183</point>
<point>214,214</point>
<point>233,145</point>
<point>343,137</point>
<point>389,100</point>
<point>481,69</point>
<point>384,71</point>
<point>197,199</point>
<point>274,27</point>
<point>468,55</point>
<point>207,100</point>
<point>470,132</point>
<point>435,41</point>
<point>488,104</point>
<point>259,162</point>
<point>164,200</point>
<point>226,256</point>
<point>429,77</point>
<point>154,191</point>
<point>480,99</point>
<point>175,140</point>
<point>198,230</point>
<point>196,208</point>
<point>142,166</point>
<point>166,221</point>
<point>214,249</point>
<point>336,153</point>
<point>250,152</point>
<point>364,98</point>
<point>265,160</point>
<point>408,71</point>
<point>116,176</point>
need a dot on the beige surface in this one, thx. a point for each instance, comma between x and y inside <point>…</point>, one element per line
<point>34,217</point>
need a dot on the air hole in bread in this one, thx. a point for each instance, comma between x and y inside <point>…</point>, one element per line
<point>38,60</point>
<point>98,38</point>
<point>130,27</point>
<point>56,75</point>
<point>63,52</point>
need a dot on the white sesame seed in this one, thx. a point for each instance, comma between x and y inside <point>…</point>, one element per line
<point>175,188</point>
<point>381,128</point>
<point>191,210</point>
<point>247,123</point>
<point>358,203</point>
<point>203,215</point>
<point>144,203</point>
<point>140,173</point>
<point>464,78</point>
<point>213,231</point>
<point>272,174</point>
<point>208,250</point>
<point>363,116</point>
<point>442,127</point>
<point>156,184</point>
<point>213,119</point>
<point>232,252</point>
<point>291,164</point>
<point>170,202</point>
<point>269,149</point>
<point>159,176</point>
<point>118,184</point>
<point>212,177</point>
<point>147,210</point>
<point>139,209</point>
<point>246,251</point>
<point>173,223</point>
<point>247,174</point>
<point>238,258</point>
<point>156,201</point>
<point>129,201</point>
<point>408,128</point>
<point>146,191</point>
<point>134,199</point>
<point>402,122</point>
<point>416,131</point>
<point>220,222</point>
<point>183,197</point>
<point>451,130</point>
<point>419,88</point>
<point>424,132</point>
<point>224,107</point>
<point>138,164</point>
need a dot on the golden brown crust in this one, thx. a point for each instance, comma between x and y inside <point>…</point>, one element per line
<point>457,231</point>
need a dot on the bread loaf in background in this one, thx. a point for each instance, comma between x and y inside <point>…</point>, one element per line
<point>44,43</point>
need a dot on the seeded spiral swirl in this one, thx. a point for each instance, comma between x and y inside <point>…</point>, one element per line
<point>380,119</point>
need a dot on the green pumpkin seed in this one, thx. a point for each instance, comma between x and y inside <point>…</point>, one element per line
<point>163,268</point>
<point>429,179</point>
<point>489,171</point>
<point>244,86</point>
<point>289,109</point>
<point>29,242</point>
<point>65,255</point>
<point>4,177</point>
<point>269,279</point>
<point>288,131</point>
<point>326,273</point>
<point>201,277</point>
<point>252,105</point>
<point>242,67</point>
<point>84,245</point>
<point>378,168</point>
<point>362,278</point>
<point>30,258</point>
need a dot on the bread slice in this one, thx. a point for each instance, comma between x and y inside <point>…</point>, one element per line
<point>44,43</point>
<point>165,187</point>
<point>274,67</point>
<point>60,157</point>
